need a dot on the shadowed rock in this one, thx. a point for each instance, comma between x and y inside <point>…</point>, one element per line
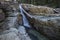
<point>49,26</point>
<point>2,15</point>
<point>9,24</point>
<point>45,21</point>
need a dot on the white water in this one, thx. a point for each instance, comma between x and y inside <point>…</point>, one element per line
<point>25,20</point>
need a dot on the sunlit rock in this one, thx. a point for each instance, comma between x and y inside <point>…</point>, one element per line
<point>38,9</point>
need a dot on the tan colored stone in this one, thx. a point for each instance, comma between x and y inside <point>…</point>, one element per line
<point>39,9</point>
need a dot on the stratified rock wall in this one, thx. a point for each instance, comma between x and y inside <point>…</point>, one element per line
<point>38,9</point>
<point>48,26</point>
<point>8,23</point>
<point>48,23</point>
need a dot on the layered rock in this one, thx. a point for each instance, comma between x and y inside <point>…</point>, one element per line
<point>49,26</point>
<point>46,21</point>
<point>38,9</point>
<point>23,34</point>
<point>8,23</point>
<point>9,26</point>
<point>2,16</point>
<point>12,15</point>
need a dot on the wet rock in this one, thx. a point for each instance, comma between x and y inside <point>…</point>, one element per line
<point>41,10</point>
<point>12,21</point>
<point>57,9</point>
<point>2,15</point>
<point>48,26</point>
<point>23,34</point>
<point>38,9</point>
<point>7,27</point>
<point>45,21</point>
<point>19,19</point>
<point>12,16</point>
<point>11,34</point>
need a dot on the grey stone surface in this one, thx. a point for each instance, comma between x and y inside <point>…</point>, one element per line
<point>11,34</point>
<point>23,34</point>
<point>49,26</point>
<point>2,15</point>
<point>12,21</point>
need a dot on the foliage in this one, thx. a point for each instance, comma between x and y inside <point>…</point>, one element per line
<point>51,3</point>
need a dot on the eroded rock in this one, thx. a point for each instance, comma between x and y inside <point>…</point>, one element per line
<point>2,15</point>
<point>46,21</point>
<point>49,26</point>
<point>38,9</point>
<point>23,34</point>
<point>11,34</point>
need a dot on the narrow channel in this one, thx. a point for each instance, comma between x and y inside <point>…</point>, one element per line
<point>25,20</point>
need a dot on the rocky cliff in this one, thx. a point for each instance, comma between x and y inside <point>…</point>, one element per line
<point>45,20</point>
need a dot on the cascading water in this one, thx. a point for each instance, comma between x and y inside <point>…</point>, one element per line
<point>25,20</point>
<point>33,34</point>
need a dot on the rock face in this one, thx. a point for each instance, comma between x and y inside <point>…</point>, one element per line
<point>49,26</point>
<point>12,16</point>
<point>58,10</point>
<point>48,23</point>
<point>38,9</point>
<point>2,15</point>
<point>11,34</point>
<point>23,34</point>
<point>9,24</point>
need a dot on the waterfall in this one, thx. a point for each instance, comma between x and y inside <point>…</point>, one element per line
<point>32,33</point>
<point>25,20</point>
